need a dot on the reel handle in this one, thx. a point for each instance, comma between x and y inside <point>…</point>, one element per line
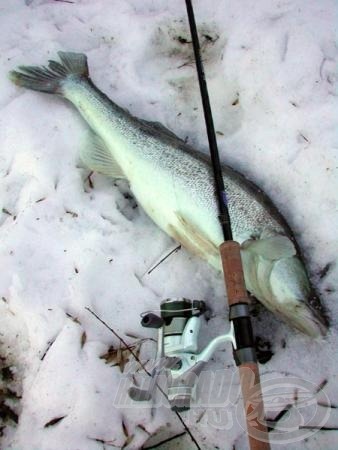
<point>151,320</point>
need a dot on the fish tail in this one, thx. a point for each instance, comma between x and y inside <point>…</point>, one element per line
<point>51,79</point>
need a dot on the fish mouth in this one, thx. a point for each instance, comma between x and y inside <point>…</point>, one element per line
<point>319,314</point>
<point>317,307</point>
<point>306,319</point>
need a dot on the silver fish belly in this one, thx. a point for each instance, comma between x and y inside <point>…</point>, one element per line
<point>174,185</point>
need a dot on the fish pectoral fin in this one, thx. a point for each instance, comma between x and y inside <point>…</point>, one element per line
<point>275,247</point>
<point>192,238</point>
<point>96,155</point>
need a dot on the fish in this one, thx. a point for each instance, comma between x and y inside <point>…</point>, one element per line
<point>174,184</point>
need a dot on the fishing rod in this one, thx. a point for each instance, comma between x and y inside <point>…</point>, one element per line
<point>239,315</point>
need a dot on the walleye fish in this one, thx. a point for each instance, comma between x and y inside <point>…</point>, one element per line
<point>174,185</point>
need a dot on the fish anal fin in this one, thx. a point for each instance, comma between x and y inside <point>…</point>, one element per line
<point>96,155</point>
<point>192,238</point>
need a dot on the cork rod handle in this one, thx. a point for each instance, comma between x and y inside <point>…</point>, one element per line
<point>249,372</point>
<point>233,273</point>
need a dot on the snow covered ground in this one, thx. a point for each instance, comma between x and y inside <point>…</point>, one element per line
<point>69,242</point>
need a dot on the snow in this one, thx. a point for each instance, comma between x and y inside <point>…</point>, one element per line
<point>67,245</point>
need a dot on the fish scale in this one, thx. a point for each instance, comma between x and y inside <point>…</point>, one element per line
<point>183,166</point>
<point>174,185</point>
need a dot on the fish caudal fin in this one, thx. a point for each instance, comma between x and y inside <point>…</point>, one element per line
<point>50,79</point>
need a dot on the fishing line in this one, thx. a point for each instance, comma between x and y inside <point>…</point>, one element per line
<point>178,415</point>
<point>172,310</point>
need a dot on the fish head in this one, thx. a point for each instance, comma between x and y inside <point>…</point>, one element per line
<point>276,276</point>
<point>293,296</point>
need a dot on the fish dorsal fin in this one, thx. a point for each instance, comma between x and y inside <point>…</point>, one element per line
<point>275,247</point>
<point>158,127</point>
<point>192,238</point>
<point>96,155</point>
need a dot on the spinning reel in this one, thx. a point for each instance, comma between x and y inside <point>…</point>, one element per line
<point>178,329</point>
